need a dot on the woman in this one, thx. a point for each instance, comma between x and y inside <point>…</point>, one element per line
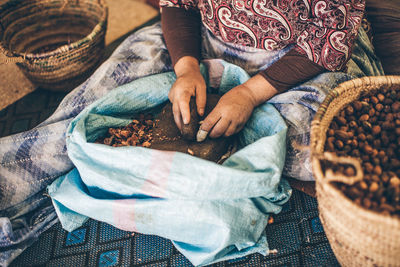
<point>317,34</point>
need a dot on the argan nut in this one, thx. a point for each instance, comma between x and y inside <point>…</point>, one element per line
<point>357,105</point>
<point>387,101</point>
<point>381,154</point>
<point>354,143</point>
<point>124,133</point>
<point>339,144</point>
<point>342,135</point>
<point>366,203</point>
<point>349,110</point>
<point>386,125</point>
<point>385,139</point>
<point>375,178</point>
<point>149,122</point>
<point>385,160</point>
<point>374,100</point>
<point>365,158</point>
<point>389,117</point>
<point>363,185</point>
<point>353,124</point>
<point>364,117</point>
<point>368,167</point>
<point>341,120</point>
<point>371,112</point>
<point>368,149</point>
<point>381,97</point>
<point>373,187</point>
<point>349,171</point>
<point>377,143</point>
<point>362,137</point>
<point>396,106</point>
<point>395,163</point>
<point>330,146</point>
<point>146,144</point>
<point>379,107</point>
<point>394,181</point>
<point>385,177</point>
<point>376,129</point>
<point>355,153</point>
<point>366,125</point>
<point>347,148</point>
<point>354,193</point>
<point>378,170</point>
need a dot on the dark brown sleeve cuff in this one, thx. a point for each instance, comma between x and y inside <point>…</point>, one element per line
<point>292,69</point>
<point>181,30</point>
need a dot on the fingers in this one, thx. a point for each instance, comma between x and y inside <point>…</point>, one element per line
<point>220,128</point>
<point>210,120</point>
<point>184,108</point>
<point>214,124</point>
<point>177,115</point>
<point>207,125</point>
<point>201,98</point>
<point>232,129</point>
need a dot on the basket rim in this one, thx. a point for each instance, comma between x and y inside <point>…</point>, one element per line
<point>324,184</point>
<point>97,29</point>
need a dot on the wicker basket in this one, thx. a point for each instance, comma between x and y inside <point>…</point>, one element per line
<point>57,44</point>
<point>358,237</point>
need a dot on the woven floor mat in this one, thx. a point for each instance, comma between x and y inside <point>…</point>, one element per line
<point>296,234</point>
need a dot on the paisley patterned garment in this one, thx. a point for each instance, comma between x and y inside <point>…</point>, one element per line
<point>322,30</point>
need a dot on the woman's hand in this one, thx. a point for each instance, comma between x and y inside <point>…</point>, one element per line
<point>189,83</point>
<point>235,107</point>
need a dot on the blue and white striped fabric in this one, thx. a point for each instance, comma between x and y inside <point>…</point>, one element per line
<point>31,160</point>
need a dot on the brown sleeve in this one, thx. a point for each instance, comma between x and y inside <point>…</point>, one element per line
<point>292,69</point>
<point>181,30</point>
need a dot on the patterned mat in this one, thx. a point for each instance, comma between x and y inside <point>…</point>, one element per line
<point>296,233</point>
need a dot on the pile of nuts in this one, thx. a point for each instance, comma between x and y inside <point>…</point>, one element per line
<point>369,129</point>
<point>137,133</point>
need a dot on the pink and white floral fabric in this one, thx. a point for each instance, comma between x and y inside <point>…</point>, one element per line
<point>322,30</point>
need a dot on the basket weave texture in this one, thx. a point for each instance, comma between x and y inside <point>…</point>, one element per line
<point>57,44</point>
<point>358,237</point>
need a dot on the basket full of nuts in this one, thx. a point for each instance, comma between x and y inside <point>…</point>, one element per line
<point>355,143</point>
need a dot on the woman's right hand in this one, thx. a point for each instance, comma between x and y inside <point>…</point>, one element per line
<point>189,83</point>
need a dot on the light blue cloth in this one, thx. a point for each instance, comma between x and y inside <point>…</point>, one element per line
<point>211,212</point>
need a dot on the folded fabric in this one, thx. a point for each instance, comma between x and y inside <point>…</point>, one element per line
<point>211,212</point>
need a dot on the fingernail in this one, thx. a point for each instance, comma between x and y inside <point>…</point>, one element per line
<point>185,121</point>
<point>201,135</point>
<point>201,112</point>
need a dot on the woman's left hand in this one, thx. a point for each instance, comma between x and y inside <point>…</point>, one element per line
<point>230,114</point>
<point>235,107</point>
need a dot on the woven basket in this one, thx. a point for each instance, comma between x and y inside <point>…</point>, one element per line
<point>57,44</point>
<point>358,237</point>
